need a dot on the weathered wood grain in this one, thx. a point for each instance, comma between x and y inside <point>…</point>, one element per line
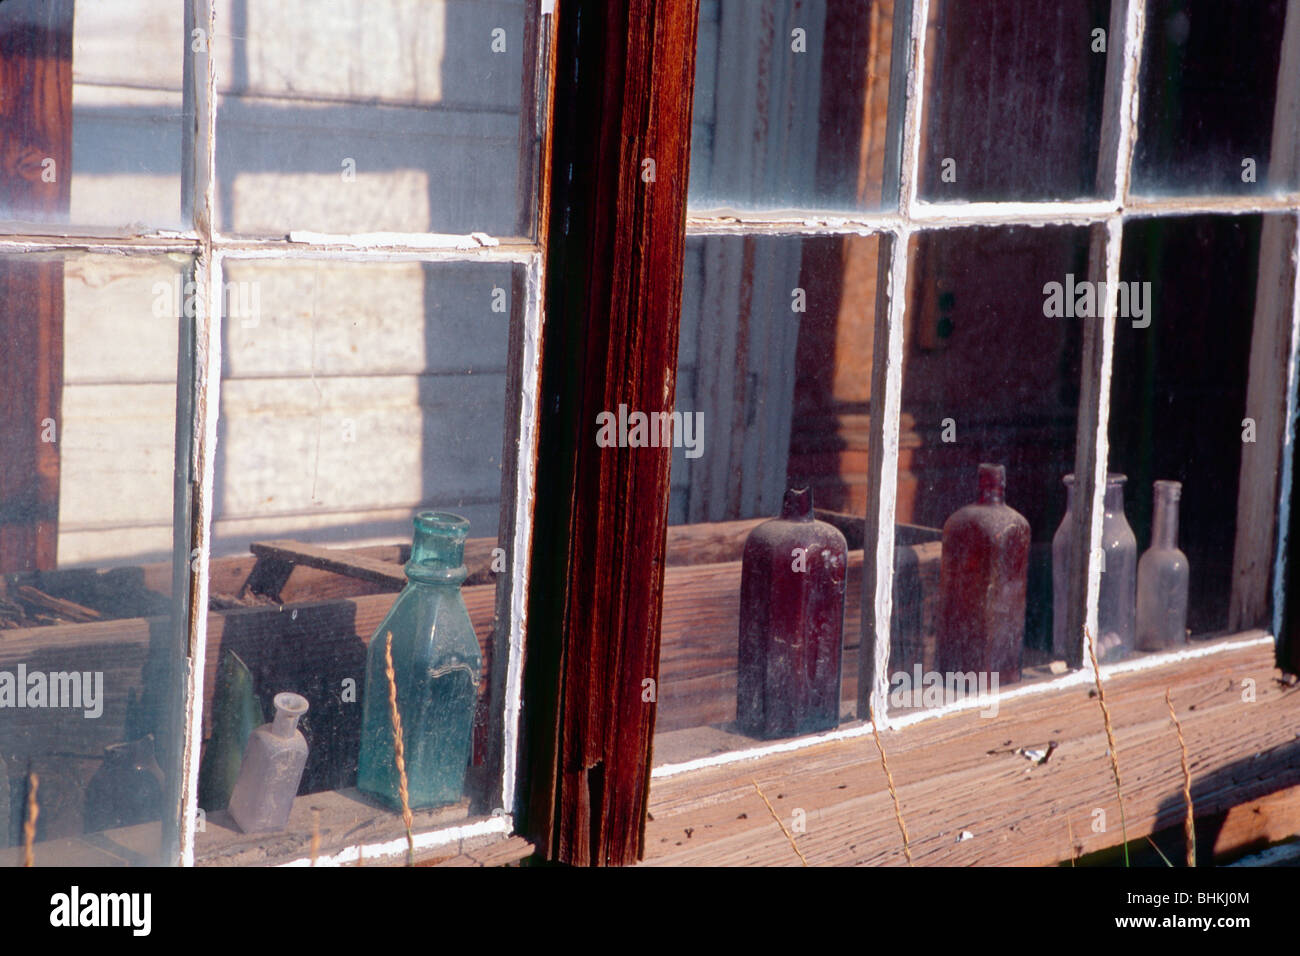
<point>962,773</point>
<point>624,78</point>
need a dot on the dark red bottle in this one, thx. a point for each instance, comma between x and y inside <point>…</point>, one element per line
<point>791,623</point>
<point>983,575</point>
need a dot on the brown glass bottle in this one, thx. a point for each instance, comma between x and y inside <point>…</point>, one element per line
<point>983,576</point>
<point>791,623</point>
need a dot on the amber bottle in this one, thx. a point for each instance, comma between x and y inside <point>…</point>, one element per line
<point>791,623</point>
<point>983,578</point>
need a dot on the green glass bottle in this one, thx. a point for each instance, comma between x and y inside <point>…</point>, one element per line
<point>436,666</point>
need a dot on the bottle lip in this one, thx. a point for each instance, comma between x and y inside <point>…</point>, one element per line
<point>441,521</point>
<point>797,504</point>
<point>294,705</point>
<point>1168,486</point>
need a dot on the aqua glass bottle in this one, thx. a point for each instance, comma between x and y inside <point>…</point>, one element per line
<point>436,666</point>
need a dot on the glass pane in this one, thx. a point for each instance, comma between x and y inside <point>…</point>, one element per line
<point>1210,73</point>
<point>91,661</point>
<point>92,119</point>
<point>1196,400</point>
<point>773,386</point>
<point>791,104</point>
<point>1014,99</point>
<point>354,397</point>
<point>990,377</point>
<point>350,116</point>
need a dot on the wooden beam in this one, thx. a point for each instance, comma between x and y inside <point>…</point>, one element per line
<point>622,118</point>
<point>35,184</point>
<point>1272,331</point>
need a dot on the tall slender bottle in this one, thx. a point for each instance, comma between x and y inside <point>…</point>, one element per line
<point>436,665</point>
<point>792,586</point>
<point>983,582</point>
<point>1163,577</point>
<point>1063,644</point>
<point>1117,598</point>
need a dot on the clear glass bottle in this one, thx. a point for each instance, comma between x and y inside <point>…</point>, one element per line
<point>1117,598</point>
<point>983,583</point>
<point>274,759</point>
<point>1163,577</point>
<point>792,585</point>
<point>436,667</point>
<point>1063,645</point>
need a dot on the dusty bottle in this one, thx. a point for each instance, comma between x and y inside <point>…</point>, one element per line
<point>1162,577</point>
<point>1063,646</point>
<point>126,789</point>
<point>1117,597</point>
<point>436,668</point>
<point>983,581</point>
<point>792,585</point>
<point>272,769</point>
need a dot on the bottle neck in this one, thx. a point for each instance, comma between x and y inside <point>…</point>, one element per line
<point>993,484</point>
<point>284,724</point>
<point>1114,501</point>
<point>288,708</point>
<point>798,505</point>
<point>438,549</point>
<point>1164,532</point>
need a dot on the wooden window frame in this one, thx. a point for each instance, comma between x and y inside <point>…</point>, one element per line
<point>198,402</point>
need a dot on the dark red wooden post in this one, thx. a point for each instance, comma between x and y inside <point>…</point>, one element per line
<point>621,142</point>
<point>35,179</point>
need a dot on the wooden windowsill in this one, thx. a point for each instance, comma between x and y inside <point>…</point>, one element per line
<point>347,823</point>
<point>961,773</point>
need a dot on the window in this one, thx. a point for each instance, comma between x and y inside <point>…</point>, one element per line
<point>891,204</point>
<point>271,275</point>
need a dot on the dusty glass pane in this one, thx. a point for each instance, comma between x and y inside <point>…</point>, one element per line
<point>990,376</point>
<point>773,390</point>
<point>1192,397</point>
<point>790,104</point>
<point>403,115</point>
<point>90,656</point>
<point>1014,99</point>
<point>92,119</point>
<point>354,396</point>
<point>1210,73</point>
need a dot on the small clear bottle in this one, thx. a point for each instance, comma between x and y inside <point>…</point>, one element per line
<point>1163,577</point>
<point>1117,599</point>
<point>1063,646</point>
<point>272,769</point>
